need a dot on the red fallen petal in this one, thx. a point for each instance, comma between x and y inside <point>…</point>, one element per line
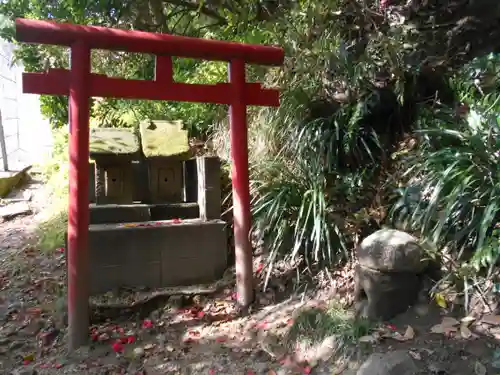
<point>260,267</point>
<point>307,370</point>
<point>158,223</point>
<point>58,365</point>
<point>130,339</point>
<point>194,333</point>
<point>234,296</point>
<point>94,337</point>
<point>261,325</point>
<point>120,330</point>
<point>26,362</point>
<point>392,327</point>
<point>212,371</point>
<point>61,250</point>
<point>147,323</point>
<point>117,347</point>
<point>201,314</point>
<point>250,372</point>
<point>221,339</point>
<point>289,322</point>
<point>176,221</point>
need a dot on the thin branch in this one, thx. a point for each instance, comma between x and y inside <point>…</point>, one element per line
<point>196,7</point>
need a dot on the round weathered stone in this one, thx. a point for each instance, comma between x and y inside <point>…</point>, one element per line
<point>383,295</point>
<point>390,250</point>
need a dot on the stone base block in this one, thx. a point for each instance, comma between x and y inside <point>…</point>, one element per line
<point>381,295</point>
<point>160,255</point>
<point>117,213</point>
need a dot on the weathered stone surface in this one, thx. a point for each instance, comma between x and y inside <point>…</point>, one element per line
<point>113,141</point>
<point>391,250</point>
<point>164,139</point>
<point>383,295</point>
<point>393,363</point>
<point>15,209</point>
<point>209,190</point>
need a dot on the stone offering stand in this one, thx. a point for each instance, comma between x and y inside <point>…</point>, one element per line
<point>155,212</point>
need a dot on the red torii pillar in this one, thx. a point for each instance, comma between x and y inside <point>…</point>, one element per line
<point>80,84</point>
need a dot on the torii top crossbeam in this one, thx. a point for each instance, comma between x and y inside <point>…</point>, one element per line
<point>44,32</point>
<point>80,84</point>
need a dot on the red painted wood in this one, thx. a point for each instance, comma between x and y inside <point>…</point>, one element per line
<point>80,85</point>
<point>78,215</point>
<point>47,32</point>
<point>164,71</point>
<point>56,82</point>
<point>240,180</point>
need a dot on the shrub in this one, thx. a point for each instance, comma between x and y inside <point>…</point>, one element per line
<point>453,193</point>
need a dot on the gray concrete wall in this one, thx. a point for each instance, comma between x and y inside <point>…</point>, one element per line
<point>28,136</point>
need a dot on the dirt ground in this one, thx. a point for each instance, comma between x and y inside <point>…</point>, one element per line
<point>201,334</point>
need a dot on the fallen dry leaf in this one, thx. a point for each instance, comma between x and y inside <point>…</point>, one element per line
<point>491,319</point>
<point>449,321</point>
<point>440,300</point>
<point>415,355</point>
<point>410,333</point>
<point>465,332</point>
<point>479,368</point>
<point>371,339</point>
<point>446,326</point>
<point>467,319</point>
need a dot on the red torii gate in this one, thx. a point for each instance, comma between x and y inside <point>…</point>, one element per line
<point>80,84</point>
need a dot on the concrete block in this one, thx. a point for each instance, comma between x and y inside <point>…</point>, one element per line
<point>160,255</point>
<point>196,254</point>
<point>170,211</point>
<point>117,213</point>
<point>209,190</point>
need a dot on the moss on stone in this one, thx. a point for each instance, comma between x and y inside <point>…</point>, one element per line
<point>113,141</point>
<point>164,139</point>
<point>12,179</point>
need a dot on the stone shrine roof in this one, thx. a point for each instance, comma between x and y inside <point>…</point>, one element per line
<point>164,139</point>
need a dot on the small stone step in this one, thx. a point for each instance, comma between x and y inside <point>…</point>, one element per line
<point>10,211</point>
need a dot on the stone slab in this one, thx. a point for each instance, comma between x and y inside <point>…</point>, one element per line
<point>118,213</point>
<point>164,139</point>
<point>113,142</point>
<point>189,210</point>
<point>156,254</point>
<point>12,210</point>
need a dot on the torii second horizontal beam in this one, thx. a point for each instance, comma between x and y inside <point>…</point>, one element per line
<point>56,82</point>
